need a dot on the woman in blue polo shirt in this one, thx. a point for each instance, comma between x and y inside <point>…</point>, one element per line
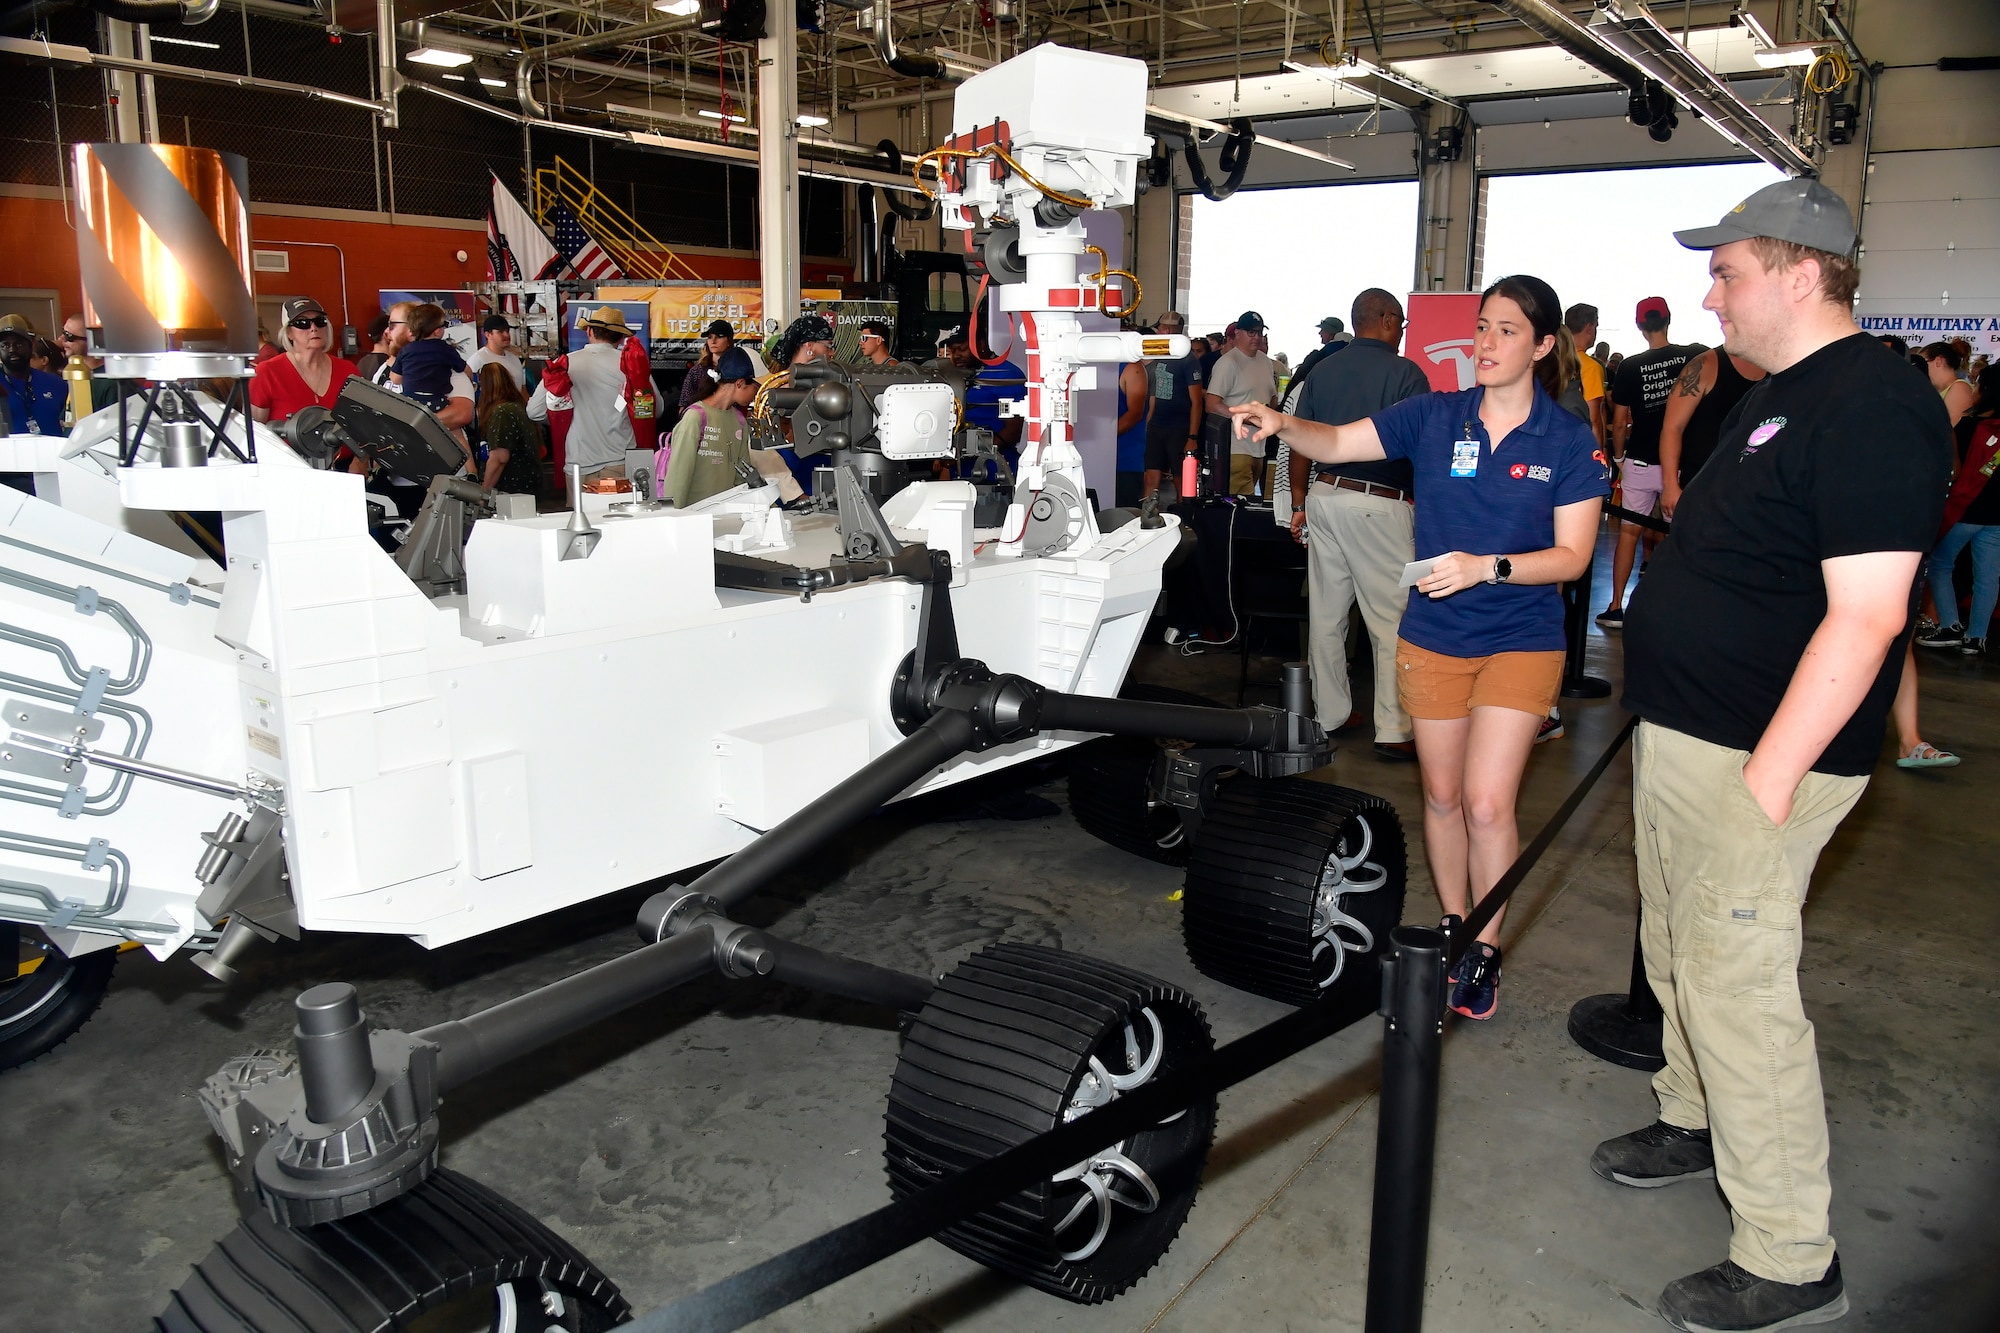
<point>1508,492</point>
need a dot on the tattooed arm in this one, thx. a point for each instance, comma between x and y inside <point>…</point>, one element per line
<point>1697,378</point>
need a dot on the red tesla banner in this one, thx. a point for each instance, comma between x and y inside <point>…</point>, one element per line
<point>1439,337</point>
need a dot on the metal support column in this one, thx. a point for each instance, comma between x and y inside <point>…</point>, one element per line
<point>778,164</point>
<point>386,78</point>
<point>121,86</point>
<point>149,92</point>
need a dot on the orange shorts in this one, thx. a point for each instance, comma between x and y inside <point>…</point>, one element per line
<point>1441,688</point>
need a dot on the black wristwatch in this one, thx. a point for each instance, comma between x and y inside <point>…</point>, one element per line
<point>1503,569</point>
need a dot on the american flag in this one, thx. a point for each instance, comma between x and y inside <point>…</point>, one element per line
<point>582,252</point>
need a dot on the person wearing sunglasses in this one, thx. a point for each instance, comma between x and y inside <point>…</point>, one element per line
<point>307,374</point>
<point>875,344</point>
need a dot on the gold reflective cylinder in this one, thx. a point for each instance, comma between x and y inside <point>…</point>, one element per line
<point>77,371</point>
<point>158,277</point>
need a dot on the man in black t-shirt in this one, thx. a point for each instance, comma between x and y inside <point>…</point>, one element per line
<point>1762,654</point>
<point>1639,404</point>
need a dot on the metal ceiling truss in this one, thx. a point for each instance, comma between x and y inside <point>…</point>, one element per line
<point>566,64</point>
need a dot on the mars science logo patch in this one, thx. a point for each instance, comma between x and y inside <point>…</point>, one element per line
<point>1531,473</point>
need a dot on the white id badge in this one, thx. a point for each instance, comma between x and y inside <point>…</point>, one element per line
<point>1464,458</point>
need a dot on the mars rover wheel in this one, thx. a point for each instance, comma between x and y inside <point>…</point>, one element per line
<point>49,995</point>
<point>1017,1040</point>
<point>1111,789</point>
<point>450,1256</point>
<point>1292,888</point>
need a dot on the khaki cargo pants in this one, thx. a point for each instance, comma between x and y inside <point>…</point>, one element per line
<point>1722,888</point>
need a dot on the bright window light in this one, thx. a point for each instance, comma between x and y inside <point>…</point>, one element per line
<point>717,115</point>
<point>1265,250</point>
<point>811,121</point>
<point>1527,216</point>
<point>678,8</point>
<point>189,41</point>
<point>431,55</point>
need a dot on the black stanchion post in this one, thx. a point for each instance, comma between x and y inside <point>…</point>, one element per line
<point>1624,1029</point>
<point>1406,1141</point>
<point>1576,683</point>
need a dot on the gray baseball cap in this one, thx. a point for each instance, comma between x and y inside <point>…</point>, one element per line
<point>1801,211</point>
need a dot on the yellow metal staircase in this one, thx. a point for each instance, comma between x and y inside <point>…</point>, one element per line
<point>638,253</point>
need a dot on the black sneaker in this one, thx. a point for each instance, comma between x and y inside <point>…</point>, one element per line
<point>1728,1299</point>
<point>1973,648</point>
<point>1945,636</point>
<point>1659,1154</point>
<point>1612,617</point>
<point>1475,990</point>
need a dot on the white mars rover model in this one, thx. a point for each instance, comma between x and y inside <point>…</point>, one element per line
<point>318,736</point>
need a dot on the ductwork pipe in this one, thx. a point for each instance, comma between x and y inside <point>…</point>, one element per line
<point>524,90</point>
<point>910,67</point>
<point>126,11</point>
<point>1575,38</point>
<point>34,49</point>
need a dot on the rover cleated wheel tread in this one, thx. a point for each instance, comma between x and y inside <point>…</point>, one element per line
<point>449,1241</point>
<point>1015,1041</point>
<point>1110,787</point>
<point>42,1009</point>
<point>1265,868</point>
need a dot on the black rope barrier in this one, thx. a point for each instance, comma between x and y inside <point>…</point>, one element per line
<point>1503,888</point>
<point>796,1273</point>
<point>1653,521</point>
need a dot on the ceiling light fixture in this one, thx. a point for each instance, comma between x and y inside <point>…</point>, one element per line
<point>678,8</point>
<point>810,121</point>
<point>1630,29</point>
<point>493,83</point>
<point>443,59</point>
<point>189,41</point>
<point>1781,57</point>
<point>717,115</point>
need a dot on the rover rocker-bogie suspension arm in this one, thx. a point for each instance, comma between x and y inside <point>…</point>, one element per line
<point>354,1122</point>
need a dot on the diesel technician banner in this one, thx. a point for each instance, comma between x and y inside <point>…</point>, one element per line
<point>1439,337</point>
<point>678,313</point>
<point>1982,331</point>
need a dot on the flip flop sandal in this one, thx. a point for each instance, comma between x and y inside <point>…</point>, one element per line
<point>1927,755</point>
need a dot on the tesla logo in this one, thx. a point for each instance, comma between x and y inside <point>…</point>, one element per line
<point>1458,350</point>
<point>1518,471</point>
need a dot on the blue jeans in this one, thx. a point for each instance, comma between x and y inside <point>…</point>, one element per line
<point>1985,542</point>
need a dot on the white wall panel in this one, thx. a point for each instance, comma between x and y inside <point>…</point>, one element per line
<point>1931,233</point>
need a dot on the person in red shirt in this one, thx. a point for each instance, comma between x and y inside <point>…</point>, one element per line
<point>307,374</point>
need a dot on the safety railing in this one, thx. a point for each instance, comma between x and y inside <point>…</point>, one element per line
<point>638,252</point>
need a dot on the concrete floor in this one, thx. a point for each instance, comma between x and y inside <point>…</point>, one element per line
<point>717,1126</point>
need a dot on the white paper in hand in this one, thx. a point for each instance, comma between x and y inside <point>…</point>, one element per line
<point>1415,570</point>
